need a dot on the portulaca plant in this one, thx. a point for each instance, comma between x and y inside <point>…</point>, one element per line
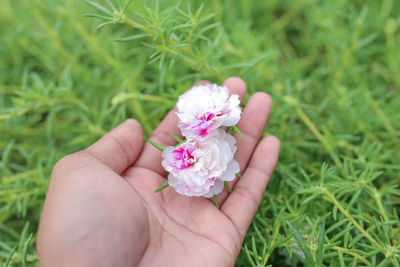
<point>202,164</point>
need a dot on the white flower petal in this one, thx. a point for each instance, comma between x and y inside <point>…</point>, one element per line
<point>198,167</point>
<point>205,108</point>
<point>230,173</point>
<point>215,189</point>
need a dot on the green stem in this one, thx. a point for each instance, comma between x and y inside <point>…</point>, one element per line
<point>332,198</point>
<point>271,246</point>
<point>183,49</point>
<point>385,121</point>
<point>311,126</point>
<point>347,251</point>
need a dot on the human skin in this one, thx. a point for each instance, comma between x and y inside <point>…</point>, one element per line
<point>101,209</point>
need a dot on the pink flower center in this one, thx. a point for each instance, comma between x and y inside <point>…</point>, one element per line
<point>205,122</point>
<point>183,157</point>
<point>208,116</point>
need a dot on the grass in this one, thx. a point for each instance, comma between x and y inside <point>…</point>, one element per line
<point>331,67</point>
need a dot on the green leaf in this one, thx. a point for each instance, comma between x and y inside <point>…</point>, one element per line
<point>98,16</point>
<point>100,8</point>
<point>334,213</point>
<point>127,3</point>
<point>214,198</point>
<point>176,138</point>
<point>132,37</point>
<point>111,5</point>
<point>384,263</point>
<point>160,147</point>
<point>227,187</point>
<point>23,235</point>
<point>162,187</point>
<point>320,248</point>
<point>25,249</point>
<point>255,253</point>
<point>308,257</point>
<point>341,259</point>
<point>8,260</point>
<point>249,257</point>
<point>103,24</point>
<point>237,130</point>
<point>239,175</point>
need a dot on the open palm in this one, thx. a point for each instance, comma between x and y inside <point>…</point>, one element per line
<point>101,209</point>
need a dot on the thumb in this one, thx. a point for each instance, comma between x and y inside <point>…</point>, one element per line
<point>118,149</point>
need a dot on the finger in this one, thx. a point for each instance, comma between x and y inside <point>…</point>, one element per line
<point>252,124</point>
<point>151,156</point>
<point>243,202</point>
<point>236,86</point>
<point>119,148</point>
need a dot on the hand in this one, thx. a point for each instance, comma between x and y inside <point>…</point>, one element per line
<point>101,209</point>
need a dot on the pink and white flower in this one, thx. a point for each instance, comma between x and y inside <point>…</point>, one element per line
<point>205,108</point>
<point>199,167</point>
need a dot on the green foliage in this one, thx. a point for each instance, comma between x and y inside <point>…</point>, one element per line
<point>163,186</point>
<point>331,67</point>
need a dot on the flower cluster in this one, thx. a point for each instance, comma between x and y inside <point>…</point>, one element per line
<point>199,165</point>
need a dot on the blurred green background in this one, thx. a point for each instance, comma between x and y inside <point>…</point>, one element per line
<point>331,67</point>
